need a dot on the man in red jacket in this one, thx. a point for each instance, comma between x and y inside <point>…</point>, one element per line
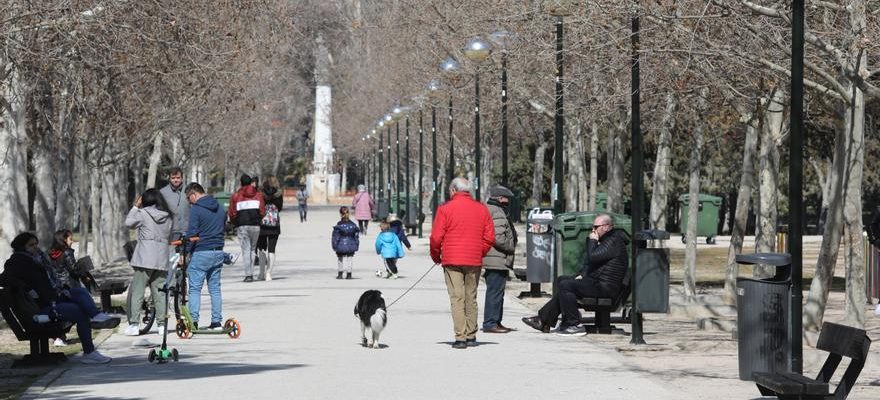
<point>462,234</point>
<point>246,210</point>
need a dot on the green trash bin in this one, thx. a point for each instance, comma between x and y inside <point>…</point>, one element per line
<point>602,202</point>
<point>707,216</point>
<point>572,231</point>
<point>223,199</point>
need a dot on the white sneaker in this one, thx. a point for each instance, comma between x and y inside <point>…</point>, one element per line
<point>101,317</point>
<point>160,329</point>
<point>393,276</point>
<point>94,358</point>
<point>59,342</point>
<point>132,330</point>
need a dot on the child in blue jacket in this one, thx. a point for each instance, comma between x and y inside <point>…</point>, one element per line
<point>389,247</point>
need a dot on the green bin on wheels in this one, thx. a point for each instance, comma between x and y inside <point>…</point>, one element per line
<point>223,199</point>
<point>707,216</point>
<point>572,231</point>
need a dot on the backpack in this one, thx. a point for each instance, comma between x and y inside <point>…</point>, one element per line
<point>271,218</point>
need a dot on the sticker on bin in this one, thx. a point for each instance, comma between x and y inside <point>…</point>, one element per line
<point>536,213</point>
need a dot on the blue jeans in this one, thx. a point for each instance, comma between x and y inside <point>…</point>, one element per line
<point>303,212</point>
<point>493,310</point>
<point>205,265</point>
<point>79,308</point>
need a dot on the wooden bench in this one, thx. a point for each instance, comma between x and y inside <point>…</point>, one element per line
<point>602,307</point>
<point>838,340</point>
<point>22,324</point>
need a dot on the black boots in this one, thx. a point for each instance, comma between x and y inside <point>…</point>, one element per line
<point>348,275</point>
<point>339,275</point>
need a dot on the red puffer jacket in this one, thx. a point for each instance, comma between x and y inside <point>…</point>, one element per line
<point>463,232</point>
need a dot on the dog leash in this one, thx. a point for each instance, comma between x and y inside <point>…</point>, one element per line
<point>411,287</point>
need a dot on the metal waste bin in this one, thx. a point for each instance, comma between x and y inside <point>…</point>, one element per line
<point>652,273</point>
<point>539,250</point>
<point>762,316</point>
<point>382,209</point>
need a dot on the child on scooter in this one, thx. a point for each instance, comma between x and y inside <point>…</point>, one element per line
<point>389,247</point>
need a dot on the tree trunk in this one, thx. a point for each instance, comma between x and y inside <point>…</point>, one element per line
<point>594,165</point>
<point>822,169</point>
<point>660,181</point>
<point>743,197</point>
<point>538,171</point>
<point>155,159</point>
<point>616,164</point>
<point>690,255</point>
<point>13,158</point>
<point>83,193</point>
<point>44,195</point>
<point>852,212</point>
<point>773,120</point>
<point>575,161</point>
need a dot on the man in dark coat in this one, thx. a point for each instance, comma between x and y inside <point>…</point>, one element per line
<point>602,275</point>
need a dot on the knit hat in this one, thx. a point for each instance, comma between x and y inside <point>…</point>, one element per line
<point>499,191</point>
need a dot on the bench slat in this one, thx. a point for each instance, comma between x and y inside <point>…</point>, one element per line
<point>788,383</point>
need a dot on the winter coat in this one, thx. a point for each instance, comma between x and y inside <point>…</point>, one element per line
<point>302,197</point>
<point>345,240</point>
<point>21,270</point>
<point>153,231</point>
<point>463,232</point>
<point>207,220</point>
<point>396,226</point>
<point>272,196</point>
<point>247,207</point>
<point>500,256</point>
<point>388,245</point>
<point>179,206</point>
<point>606,260</point>
<point>62,263</point>
<point>363,206</point>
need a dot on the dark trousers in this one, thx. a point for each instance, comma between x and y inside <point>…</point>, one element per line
<point>564,301</point>
<point>303,212</point>
<point>362,225</point>
<point>493,308</point>
<point>392,264</point>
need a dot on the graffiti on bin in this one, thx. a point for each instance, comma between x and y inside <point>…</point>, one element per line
<point>541,248</point>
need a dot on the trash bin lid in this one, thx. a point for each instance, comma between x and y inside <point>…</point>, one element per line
<point>776,259</point>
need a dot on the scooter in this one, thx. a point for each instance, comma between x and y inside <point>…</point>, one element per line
<point>186,327</point>
<point>163,354</point>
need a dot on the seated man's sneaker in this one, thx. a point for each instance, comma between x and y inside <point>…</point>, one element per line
<point>571,331</point>
<point>535,323</point>
<point>132,330</point>
<point>94,358</point>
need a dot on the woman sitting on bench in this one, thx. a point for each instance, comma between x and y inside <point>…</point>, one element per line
<point>24,270</point>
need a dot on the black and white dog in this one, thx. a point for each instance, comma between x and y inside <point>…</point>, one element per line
<point>370,309</point>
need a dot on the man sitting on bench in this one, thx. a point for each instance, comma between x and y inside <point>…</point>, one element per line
<point>604,268</point>
<point>74,305</point>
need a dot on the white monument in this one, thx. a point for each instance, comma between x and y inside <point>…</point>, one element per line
<point>323,182</point>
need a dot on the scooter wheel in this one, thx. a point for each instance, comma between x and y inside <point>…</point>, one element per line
<point>152,355</point>
<point>174,355</point>
<point>232,328</point>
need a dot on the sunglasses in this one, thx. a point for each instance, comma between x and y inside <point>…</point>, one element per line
<point>598,226</point>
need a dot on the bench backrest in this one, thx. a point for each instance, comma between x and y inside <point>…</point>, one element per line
<point>844,340</point>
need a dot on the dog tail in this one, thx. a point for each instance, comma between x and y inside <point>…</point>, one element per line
<point>378,320</point>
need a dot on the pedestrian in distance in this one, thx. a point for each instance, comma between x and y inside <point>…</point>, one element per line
<point>389,247</point>
<point>345,243</point>
<point>302,200</point>
<point>270,226</point>
<point>246,210</point>
<point>152,219</point>
<point>498,262</point>
<point>207,221</point>
<point>175,198</point>
<point>463,233</point>
<point>364,207</point>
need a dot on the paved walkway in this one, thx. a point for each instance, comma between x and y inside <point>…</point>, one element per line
<point>300,340</point>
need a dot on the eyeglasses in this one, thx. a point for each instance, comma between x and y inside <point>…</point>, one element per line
<point>598,226</point>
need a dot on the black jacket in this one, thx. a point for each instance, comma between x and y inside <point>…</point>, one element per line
<point>272,196</point>
<point>23,272</point>
<point>606,260</point>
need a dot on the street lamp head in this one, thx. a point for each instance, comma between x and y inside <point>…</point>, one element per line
<point>502,39</point>
<point>388,118</point>
<point>450,66</point>
<point>560,8</point>
<point>477,50</point>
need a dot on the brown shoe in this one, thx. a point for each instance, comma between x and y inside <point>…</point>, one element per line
<point>504,327</point>
<point>496,329</point>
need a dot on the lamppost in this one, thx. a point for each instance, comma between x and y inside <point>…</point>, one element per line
<point>381,182</point>
<point>477,50</point>
<point>450,69</point>
<point>559,9</point>
<point>637,161</point>
<point>387,122</point>
<point>502,39</point>
<point>396,114</point>
<point>406,174</point>
<point>421,170</point>
<point>434,93</point>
